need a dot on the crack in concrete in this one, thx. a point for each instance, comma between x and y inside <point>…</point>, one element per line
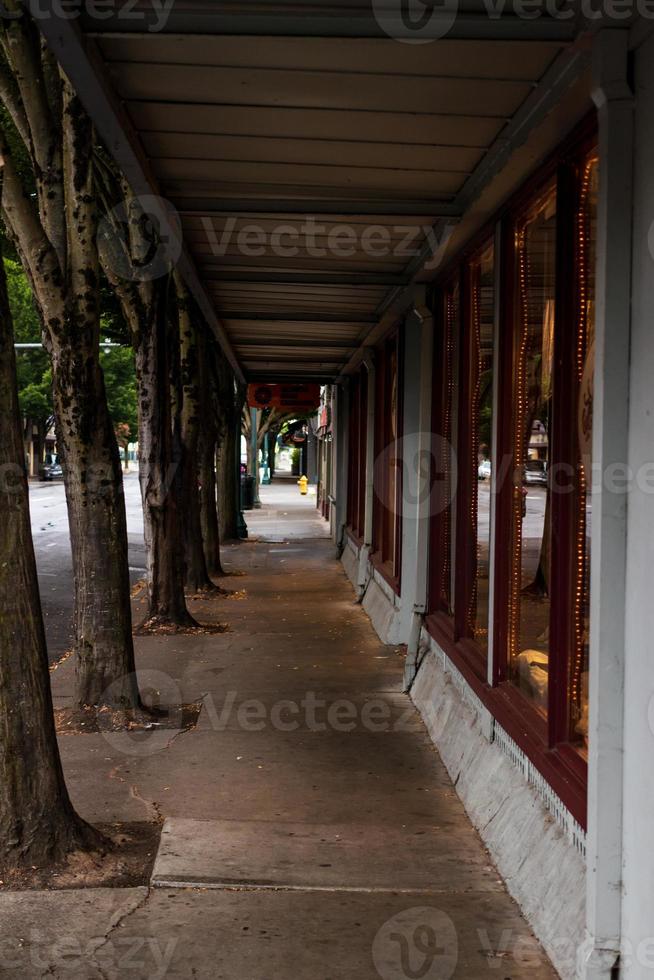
<point>498,809</point>
<point>148,804</point>
<point>116,921</point>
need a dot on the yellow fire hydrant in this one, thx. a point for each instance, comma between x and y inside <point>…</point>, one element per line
<point>303,483</point>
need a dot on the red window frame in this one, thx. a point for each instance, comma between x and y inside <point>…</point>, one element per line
<point>447,327</point>
<point>387,506</point>
<point>545,742</point>
<point>357,454</point>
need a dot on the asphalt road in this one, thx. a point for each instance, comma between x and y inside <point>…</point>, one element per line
<point>53,558</point>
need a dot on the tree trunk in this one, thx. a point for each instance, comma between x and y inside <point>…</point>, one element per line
<point>227,470</point>
<point>55,236</point>
<point>209,503</point>
<point>272,451</point>
<point>159,462</point>
<point>194,403</point>
<point>98,533</point>
<point>38,825</point>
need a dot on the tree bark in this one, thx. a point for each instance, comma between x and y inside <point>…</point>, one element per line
<point>55,236</point>
<point>98,534</point>
<point>228,454</point>
<point>209,502</point>
<point>38,825</point>
<point>159,463</point>
<point>152,320</point>
<point>195,404</point>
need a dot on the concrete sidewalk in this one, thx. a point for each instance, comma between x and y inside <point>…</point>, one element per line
<point>308,820</point>
<point>285,514</point>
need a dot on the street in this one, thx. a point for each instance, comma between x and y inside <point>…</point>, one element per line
<point>53,557</point>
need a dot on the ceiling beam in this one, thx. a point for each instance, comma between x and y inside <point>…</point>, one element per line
<point>566,69</point>
<point>295,317</point>
<point>277,377</point>
<point>86,75</point>
<point>300,344</point>
<point>223,274</point>
<point>190,207</point>
<point>320,20</point>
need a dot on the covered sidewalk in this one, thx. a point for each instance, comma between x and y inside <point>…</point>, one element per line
<point>435,690</point>
<point>309,828</point>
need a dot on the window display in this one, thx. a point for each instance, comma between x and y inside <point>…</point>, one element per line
<point>388,462</point>
<point>531,532</point>
<point>444,456</point>
<point>513,392</point>
<point>585,363</point>
<point>482,317</point>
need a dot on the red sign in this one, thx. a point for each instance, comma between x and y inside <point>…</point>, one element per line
<point>299,398</point>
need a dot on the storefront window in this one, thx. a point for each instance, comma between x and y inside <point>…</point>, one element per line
<point>392,463</point>
<point>529,612</point>
<point>357,453</point>
<point>482,309</point>
<point>388,463</point>
<point>585,360</point>
<point>443,487</point>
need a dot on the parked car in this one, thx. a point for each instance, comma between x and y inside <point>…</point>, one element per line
<point>484,470</point>
<point>536,472</point>
<point>52,471</point>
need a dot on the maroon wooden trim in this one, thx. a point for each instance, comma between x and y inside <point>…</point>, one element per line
<point>464,535</point>
<point>441,627</point>
<point>399,483</point>
<point>439,388</point>
<point>467,455</point>
<point>566,778</point>
<point>357,451</point>
<point>385,569</point>
<point>378,442</point>
<point>562,452</point>
<point>444,405</point>
<point>353,536</point>
<point>545,743</point>
<point>362,450</point>
<point>503,463</point>
<point>387,514</point>
<point>353,452</point>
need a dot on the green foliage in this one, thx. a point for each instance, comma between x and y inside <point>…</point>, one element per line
<point>27,326</point>
<point>32,367</point>
<point>120,382</point>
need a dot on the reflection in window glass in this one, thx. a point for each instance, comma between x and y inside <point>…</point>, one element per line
<point>530,575</point>
<point>447,476</point>
<point>585,244</point>
<point>392,463</point>
<point>481,379</point>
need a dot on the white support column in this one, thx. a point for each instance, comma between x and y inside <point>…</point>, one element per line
<point>370,469</point>
<point>638,748</point>
<point>614,101</point>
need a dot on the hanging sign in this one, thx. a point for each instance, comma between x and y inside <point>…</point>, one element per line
<point>299,398</point>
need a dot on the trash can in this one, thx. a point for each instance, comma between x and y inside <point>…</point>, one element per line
<point>247,492</point>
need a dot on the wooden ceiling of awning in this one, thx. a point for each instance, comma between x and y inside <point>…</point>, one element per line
<point>270,132</point>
